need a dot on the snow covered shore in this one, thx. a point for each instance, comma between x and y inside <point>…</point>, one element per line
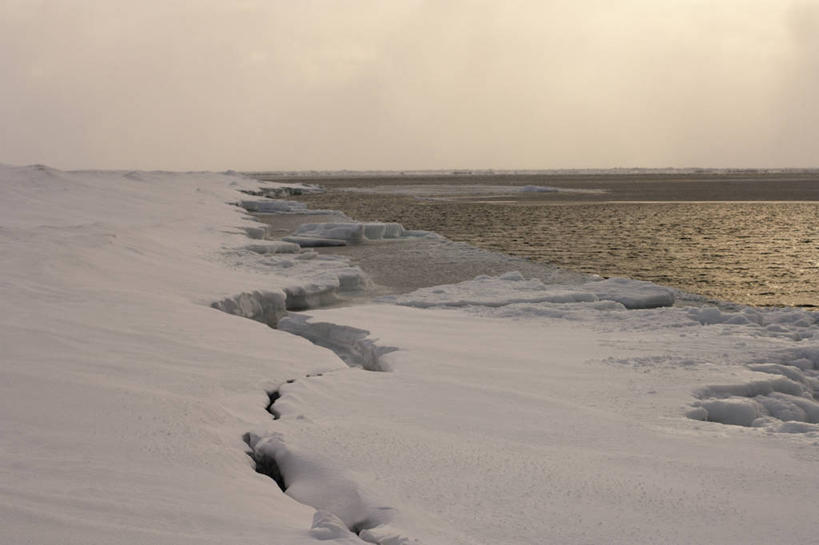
<point>498,410</point>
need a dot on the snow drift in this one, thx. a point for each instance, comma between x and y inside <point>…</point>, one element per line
<point>516,411</point>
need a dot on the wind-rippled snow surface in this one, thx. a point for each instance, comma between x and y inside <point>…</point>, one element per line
<point>172,373</point>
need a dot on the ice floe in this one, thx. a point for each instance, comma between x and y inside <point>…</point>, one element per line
<point>339,234</point>
<point>512,288</point>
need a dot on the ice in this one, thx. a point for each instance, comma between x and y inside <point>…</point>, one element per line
<point>266,307</point>
<point>340,234</point>
<point>790,397</point>
<point>276,206</point>
<point>775,320</point>
<point>734,411</point>
<point>273,206</point>
<point>512,289</point>
<point>351,344</point>
<point>274,247</point>
<point>632,293</point>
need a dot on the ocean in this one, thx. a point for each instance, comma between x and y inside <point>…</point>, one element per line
<point>746,237</point>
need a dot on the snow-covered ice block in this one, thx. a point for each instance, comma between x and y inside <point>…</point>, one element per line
<point>490,291</point>
<point>321,289</point>
<point>279,206</point>
<point>350,233</point>
<point>314,242</point>
<point>257,232</point>
<point>262,306</point>
<point>632,293</point>
<point>351,344</point>
<point>273,205</point>
<point>274,247</point>
<point>773,320</point>
<point>339,234</point>
<point>734,411</point>
<point>512,288</point>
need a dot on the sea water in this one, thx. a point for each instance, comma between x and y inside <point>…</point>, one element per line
<point>730,239</point>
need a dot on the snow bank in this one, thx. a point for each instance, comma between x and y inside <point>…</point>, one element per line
<point>129,404</point>
<point>528,413</point>
<point>123,395</point>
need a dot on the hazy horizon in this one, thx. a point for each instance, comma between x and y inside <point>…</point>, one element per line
<point>409,85</point>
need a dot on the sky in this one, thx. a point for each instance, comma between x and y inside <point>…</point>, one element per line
<point>409,84</point>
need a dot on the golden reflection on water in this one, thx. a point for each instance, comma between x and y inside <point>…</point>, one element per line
<point>761,253</point>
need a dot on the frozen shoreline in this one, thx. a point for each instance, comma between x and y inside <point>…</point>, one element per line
<point>533,413</point>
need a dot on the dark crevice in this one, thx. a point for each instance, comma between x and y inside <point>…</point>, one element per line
<point>273,396</point>
<point>359,527</point>
<point>266,465</point>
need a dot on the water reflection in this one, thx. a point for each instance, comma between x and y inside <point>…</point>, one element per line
<point>762,253</point>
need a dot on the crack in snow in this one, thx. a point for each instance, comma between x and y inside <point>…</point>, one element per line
<point>351,344</point>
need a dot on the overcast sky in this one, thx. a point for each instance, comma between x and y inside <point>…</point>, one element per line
<point>393,84</point>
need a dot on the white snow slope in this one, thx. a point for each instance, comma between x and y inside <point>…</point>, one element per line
<point>557,416</point>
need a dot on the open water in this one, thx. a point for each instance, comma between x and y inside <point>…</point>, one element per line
<point>751,239</point>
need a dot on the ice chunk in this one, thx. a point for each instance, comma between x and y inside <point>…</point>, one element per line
<point>797,427</point>
<point>272,206</point>
<point>273,247</point>
<point>339,234</point>
<point>278,206</point>
<point>755,388</point>
<point>351,344</point>
<point>314,242</point>
<point>262,306</point>
<point>632,293</point>
<point>512,288</point>
<point>734,411</point>
<point>348,233</point>
<point>490,291</point>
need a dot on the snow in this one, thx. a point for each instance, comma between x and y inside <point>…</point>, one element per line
<point>138,370</point>
<point>124,395</point>
<point>472,438</point>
